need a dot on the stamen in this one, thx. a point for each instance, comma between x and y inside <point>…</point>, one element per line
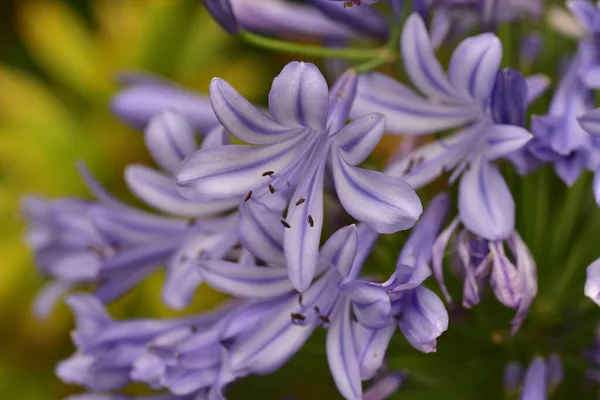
<point>268,173</point>
<point>193,328</point>
<point>302,200</point>
<point>310,221</point>
<point>297,316</point>
<point>317,309</point>
<point>248,196</point>
<point>324,319</point>
<point>271,189</point>
<point>285,224</point>
<point>300,299</point>
<point>409,167</point>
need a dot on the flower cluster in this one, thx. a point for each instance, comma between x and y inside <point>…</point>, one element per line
<point>245,212</point>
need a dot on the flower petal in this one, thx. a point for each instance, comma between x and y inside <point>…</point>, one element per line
<point>405,111</point>
<point>169,138</point>
<point>364,20</point>
<point>535,385</point>
<point>385,386</point>
<point>358,139</point>
<point>77,266</point>
<point>181,283</point>
<point>261,232</point>
<point>341,354</point>
<point>341,97</point>
<point>47,298</point>
<point>222,12</point>
<point>528,275</point>
<point>505,279</point>
<point>242,119</point>
<point>299,97</point>
<point>504,140</point>
<point>424,319</point>
<point>384,203</point>
<point>509,98</point>
<point>536,86</point>
<point>160,191</point>
<point>305,221</point>
<point>590,121</point>
<point>340,250</point>
<point>231,171</point>
<point>421,65</point>
<point>592,282</point>
<point>485,204</point>
<point>474,66</point>
<point>371,303</point>
<point>586,13</point>
<point>245,281</point>
<point>371,346</point>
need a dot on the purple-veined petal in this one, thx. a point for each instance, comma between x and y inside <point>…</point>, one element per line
<point>242,119</point>
<point>340,250</point>
<point>505,279</point>
<point>299,97</point>
<point>97,189</point>
<point>358,139</point>
<point>365,20</point>
<point>215,138</point>
<point>305,221</point>
<point>341,354</point>
<point>509,98</point>
<point>425,164</point>
<point>287,18</point>
<point>405,111</point>
<point>117,283</point>
<point>441,23</point>
<point>77,266</point>
<point>485,204</point>
<point>371,303</point>
<point>528,276</point>
<point>535,386</point>
<point>46,299</point>
<point>384,203</point>
<point>385,386</point>
<point>504,140</point>
<point>590,121</point>
<point>222,12</point>
<point>181,283</point>
<point>371,346</point>
<point>160,191</point>
<point>261,232</point>
<point>422,66</point>
<point>569,169</point>
<point>341,97</point>
<point>137,105</point>
<point>232,171</point>
<point>437,257</point>
<point>591,77</point>
<point>245,280</point>
<point>474,65</point>
<point>592,282</point>
<point>76,370</point>
<point>586,13</point>
<point>536,86</point>
<point>424,319</point>
<point>182,381</point>
<point>170,139</point>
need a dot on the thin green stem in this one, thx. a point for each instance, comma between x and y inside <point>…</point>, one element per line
<point>309,49</point>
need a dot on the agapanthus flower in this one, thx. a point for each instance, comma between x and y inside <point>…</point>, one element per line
<point>541,377</point>
<point>107,349</point>
<point>222,12</point>
<point>304,134</point>
<point>109,396</point>
<point>286,318</point>
<point>114,246</point>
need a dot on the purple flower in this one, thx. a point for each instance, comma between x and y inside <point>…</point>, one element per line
<point>365,20</point>
<point>304,134</point>
<point>592,283</point>
<point>222,12</point>
<point>385,386</point>
<point>540,378</point>
<point>107,396</point>
<point>514,282</point>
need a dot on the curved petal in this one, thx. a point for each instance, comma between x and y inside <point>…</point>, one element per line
<point>421,65</point>
<point>160,191</point>
<point>505,280</point>
<point>535,385</point>
<point>232,171</point>
<point>385,386</point>
<point>384,203</point>
<point>47,298</point>
<point>592,282</point>
<point>222,12</point>
<point>485,204</point>
<point>305,221</point>
<point>341,97</point>
<point>371,303</point>
<point>170,139</point>
<point>504,140</point>
<point>365,20</point>
<point>536,86</point>
<point>405,111</point>
<point>245,281</point>
<point>261,232</point>
<point>181,284</point>
<point>437,257</point>
<point>242,119</point>
<point>341,354</point>
<point>528,273</point>
<point>340,250</point>
<point>137,105</point>
<point>586,13</point>
<point>358,139</point>
<point>371,346</point>
<point>474,65</point>
<point>81,265</point>
<point>299,97</point>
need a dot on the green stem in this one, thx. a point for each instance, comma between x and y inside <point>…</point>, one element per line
<point>384,58</point>
<point>311,50</point>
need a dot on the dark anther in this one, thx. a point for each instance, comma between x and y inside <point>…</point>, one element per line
<point>298,317</point>
<point>248,196</point>
<point>420,159</point>
<point>398,316</point>
<point>271,188</point>
<point>468,166</point>
<point>300,299</point>
<point>409,167</point>
<point>285,224</point>
<point>317,309</point>
<point>183,259</point>
<point>192,221</point>
<point>201,253</point>
<point>310,221</point>
<point>302,200</point>
<point>324,319</point>
<point>268,173</point>
<point>99,250</point>
<point>193,328</point>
